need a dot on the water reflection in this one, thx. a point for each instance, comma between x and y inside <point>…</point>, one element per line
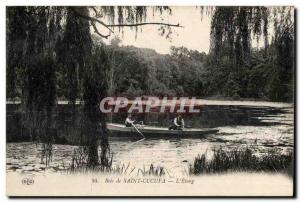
<point>258,127</point>
<point>212,116</point>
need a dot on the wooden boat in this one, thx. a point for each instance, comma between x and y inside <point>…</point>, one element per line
<point>120,130</point>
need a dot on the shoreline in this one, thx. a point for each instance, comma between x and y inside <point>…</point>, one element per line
<point>205,101</point>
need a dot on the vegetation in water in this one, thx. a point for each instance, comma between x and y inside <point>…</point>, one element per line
<point>80,164</point>
<point>51,51</point>
<point>242,160</point>
<point>52,54</point>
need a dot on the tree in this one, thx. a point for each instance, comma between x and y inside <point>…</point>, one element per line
<point>77,37</point>
<point>233,30</point>
<point>31,60</point>
<point>51,42</point>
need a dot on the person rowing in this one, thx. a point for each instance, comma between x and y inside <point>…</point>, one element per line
<point>129,122</point>
<point>178,123</point>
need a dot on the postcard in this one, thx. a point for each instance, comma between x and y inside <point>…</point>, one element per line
<point>150,101</point>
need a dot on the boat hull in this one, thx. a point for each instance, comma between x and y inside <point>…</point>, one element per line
<point>119,130</point>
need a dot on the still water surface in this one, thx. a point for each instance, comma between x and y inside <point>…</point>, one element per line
<point>263,128</point>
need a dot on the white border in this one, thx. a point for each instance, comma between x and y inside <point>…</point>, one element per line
<point>5,3</point>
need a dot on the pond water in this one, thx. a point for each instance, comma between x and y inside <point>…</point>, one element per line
<point>263,127</point>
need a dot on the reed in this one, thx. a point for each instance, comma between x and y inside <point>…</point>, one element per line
<point>242,160</point>
<point>124,169</point>
<point>79,164</point>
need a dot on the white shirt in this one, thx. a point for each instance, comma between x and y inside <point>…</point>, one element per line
<point>128,120</point>
<point>175,122</point>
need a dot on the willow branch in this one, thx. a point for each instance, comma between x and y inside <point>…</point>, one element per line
<point>96,12</point>
<point>97,31</point>
<point>145,23</point>
<point>108,26</point>
<point>92,19</point>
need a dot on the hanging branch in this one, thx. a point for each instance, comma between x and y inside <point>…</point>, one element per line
<point>94,20</point>
<point>97,31</point>
<point>145,23</point>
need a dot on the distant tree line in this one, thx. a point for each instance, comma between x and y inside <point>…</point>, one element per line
<point>267,74</point>
<point>52,54</point>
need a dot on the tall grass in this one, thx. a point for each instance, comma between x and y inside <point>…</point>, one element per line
<point>242,160</point>
<point>124,169</point>
<point>79,164</point>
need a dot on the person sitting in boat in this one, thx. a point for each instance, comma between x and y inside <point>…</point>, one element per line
<point>178,123</point>
<point>129,121</point>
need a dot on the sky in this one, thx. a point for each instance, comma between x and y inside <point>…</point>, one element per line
<point>195,35</point>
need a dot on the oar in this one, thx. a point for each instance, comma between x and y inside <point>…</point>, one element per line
<point>138,130</point>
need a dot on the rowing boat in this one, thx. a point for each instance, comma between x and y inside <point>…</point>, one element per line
<point>120,130</point>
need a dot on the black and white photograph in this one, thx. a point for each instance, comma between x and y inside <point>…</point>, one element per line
<point>150,101</point>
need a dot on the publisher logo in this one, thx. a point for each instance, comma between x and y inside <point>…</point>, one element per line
<point>27,181</point>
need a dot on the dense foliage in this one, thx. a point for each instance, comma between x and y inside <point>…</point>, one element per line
<point>139,71</point>
<point>268,74</point>
<point>236,69</point>
<point>52,55</point>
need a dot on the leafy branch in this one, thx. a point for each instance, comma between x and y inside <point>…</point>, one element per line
<point>95,20</point>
